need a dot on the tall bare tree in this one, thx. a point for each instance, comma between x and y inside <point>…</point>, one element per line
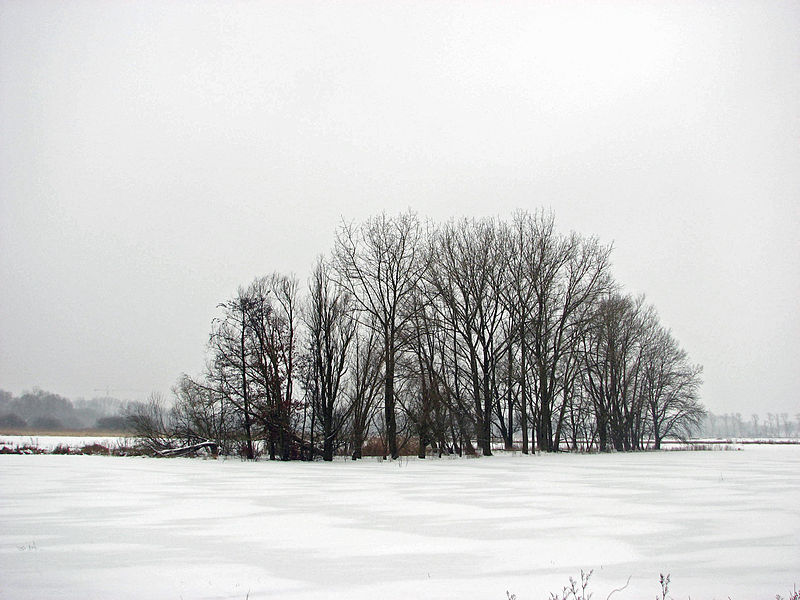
<point>331,328</point>
<point>517,244</point>
<point>365,375</point>
<point>230,365</point>
<point>380,262</point>
<point>466,272</point>
<point>670,388</point>
<point>273,323</point>
<point>569,274</point>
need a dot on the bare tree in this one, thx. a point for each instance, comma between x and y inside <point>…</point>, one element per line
<point>152,423</point>
<point>517,243</point>
<point>365,376</point>
<point>614,348</point>
<point>273,325</point>
<point>230,366</point>
<point>253,347</point>
<point>331,329</point>
<point>380,262</point>
<point>425,407</point>
<point>639,379</point>
<point>201,414</point>
<point>466,272</point>
<point>670,388</point>
<point>569,274</point>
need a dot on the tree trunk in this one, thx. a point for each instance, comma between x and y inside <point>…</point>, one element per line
<point>313,424</point>
<point>543,422</point>
<point>523,392</point>
<point>509,433</point>
<point>358,435</point>
<point>245,395</point>
<point>358,441</point>
<point>327,444</point>
<point>602,431</point>
<point>476,397</point>
<point>388,403</point>
<point>487,406</point>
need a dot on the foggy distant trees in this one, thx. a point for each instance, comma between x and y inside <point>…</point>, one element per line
<point>735,425</point>
<point>428,337</point>
<point>40,410</point>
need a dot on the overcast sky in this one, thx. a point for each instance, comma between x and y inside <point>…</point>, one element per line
<point>156,155</point>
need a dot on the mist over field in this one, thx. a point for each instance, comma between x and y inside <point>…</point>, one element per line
<point>155,156</point>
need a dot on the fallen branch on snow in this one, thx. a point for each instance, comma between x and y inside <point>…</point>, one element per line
<point>211,446</point>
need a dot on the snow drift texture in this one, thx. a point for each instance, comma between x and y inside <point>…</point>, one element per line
<point>722,523</point>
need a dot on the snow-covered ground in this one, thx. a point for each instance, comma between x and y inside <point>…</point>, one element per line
<point>722,523</point>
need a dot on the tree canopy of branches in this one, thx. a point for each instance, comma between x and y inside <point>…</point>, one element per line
<point>440,337</point>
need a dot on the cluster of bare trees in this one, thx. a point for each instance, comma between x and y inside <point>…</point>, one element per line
<point>441,336</point>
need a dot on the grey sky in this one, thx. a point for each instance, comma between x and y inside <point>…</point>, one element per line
<point>155,155</point>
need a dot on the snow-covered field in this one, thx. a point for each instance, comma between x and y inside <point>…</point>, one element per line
<point>87,527</point>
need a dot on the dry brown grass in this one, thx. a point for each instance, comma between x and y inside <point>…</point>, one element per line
<point>375,446</point>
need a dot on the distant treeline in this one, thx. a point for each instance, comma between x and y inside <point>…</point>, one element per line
<point>734,425</point>
<point>39,410</point>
